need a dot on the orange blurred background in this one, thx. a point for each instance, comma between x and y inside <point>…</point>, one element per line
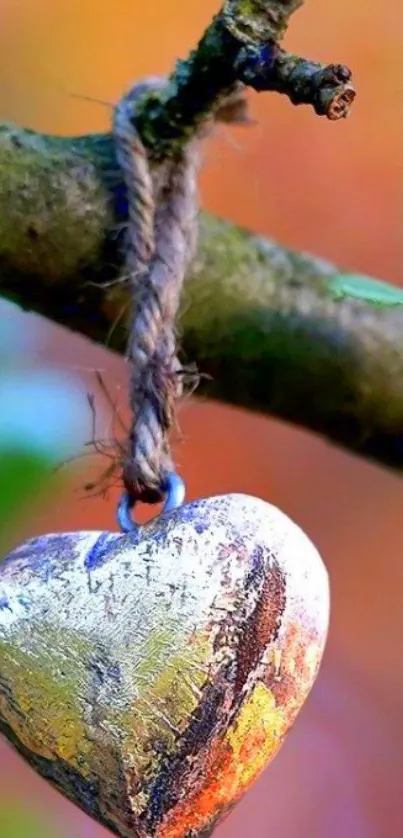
<point>329,188</point>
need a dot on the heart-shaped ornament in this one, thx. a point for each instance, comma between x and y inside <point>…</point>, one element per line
<point>151,676</point>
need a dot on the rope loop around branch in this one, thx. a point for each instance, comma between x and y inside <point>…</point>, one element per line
<point>159,244</point>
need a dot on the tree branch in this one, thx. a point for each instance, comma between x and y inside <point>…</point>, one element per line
<point>263,321</point>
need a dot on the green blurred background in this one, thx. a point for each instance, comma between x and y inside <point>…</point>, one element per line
<point>330,188</point>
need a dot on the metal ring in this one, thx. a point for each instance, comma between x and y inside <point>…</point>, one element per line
<point>175,490</point>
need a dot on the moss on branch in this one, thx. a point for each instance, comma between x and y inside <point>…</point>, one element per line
<point>260,319</point>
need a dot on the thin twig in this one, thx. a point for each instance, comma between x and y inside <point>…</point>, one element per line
<point>240,47</point>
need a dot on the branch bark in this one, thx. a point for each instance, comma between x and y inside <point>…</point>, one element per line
<point>262,320</point>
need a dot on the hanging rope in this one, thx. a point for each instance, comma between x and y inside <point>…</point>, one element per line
<point>160,241</point>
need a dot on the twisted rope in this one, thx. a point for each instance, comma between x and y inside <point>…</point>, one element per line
<point>160,242</point>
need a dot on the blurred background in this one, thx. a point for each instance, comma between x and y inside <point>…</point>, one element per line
<point>328,188</point>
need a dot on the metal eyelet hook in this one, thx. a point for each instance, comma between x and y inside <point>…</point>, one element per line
<point>175,491</point>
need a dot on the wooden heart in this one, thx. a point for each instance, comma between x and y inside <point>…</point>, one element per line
<point>151,676</point>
